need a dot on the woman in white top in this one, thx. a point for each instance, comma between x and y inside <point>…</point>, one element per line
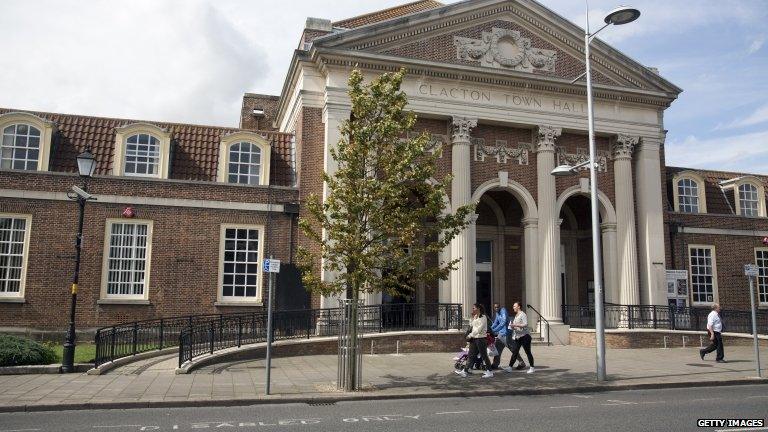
<point>477,344</point>
<point>518,336</point>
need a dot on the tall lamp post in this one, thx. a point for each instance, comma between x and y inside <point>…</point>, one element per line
<point>618,16</point>
<point>86,164</point>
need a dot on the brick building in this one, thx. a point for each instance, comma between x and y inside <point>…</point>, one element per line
<point>490,80</point>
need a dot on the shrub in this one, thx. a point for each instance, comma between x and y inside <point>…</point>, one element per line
<point>16,351</point>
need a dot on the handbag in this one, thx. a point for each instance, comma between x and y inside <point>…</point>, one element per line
<point>492,351</point>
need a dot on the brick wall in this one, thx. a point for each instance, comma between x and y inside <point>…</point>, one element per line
<point>652,339</point>
<point>266,103</point>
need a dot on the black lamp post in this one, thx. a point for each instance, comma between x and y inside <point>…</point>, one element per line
<point>86,164</point>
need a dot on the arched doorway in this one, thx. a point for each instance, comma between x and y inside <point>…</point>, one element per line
<point>500,247</point>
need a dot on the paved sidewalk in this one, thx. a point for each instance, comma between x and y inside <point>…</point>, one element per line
<point>152,382</point>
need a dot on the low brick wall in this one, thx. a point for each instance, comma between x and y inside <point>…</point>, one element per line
<point>649,338</point>
<point>384,343</point>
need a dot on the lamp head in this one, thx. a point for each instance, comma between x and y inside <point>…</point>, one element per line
<point>563,171</point>
<point>622,15</point>
<point>86,164</point>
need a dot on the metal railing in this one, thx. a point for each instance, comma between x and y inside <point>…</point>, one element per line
<point>542,321</point>
<point>137,337</point>
<point>237,330</point>
<point>662,317</point>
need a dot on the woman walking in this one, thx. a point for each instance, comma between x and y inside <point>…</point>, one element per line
<point>477,344</point>
<point>518,336</point>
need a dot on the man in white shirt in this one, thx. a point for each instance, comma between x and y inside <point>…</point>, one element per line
<point>714,327</point>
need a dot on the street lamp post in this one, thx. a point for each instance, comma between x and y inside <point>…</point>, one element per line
<point>86,164</point>
<point>618,16</point>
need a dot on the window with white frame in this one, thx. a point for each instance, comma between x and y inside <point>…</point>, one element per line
<point>240,277</point>
<point>749,201</point>
<point>142,155</point>
<point>688,195</point>
<point>702,271</point>
<point>244,163</point>
<point>20,148</point>
<point>14,241</point>
<point>127,259</point>
<point>761,259</point>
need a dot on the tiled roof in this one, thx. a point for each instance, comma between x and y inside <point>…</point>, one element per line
<point>386,14</point>
<point>194,154</point>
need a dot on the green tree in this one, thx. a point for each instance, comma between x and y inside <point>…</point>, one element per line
<point>385,210</point>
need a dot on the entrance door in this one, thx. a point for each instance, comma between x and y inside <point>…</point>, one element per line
<point>484,276</point>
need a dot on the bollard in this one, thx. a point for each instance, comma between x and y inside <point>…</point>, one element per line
<point>371,347</point>
<point>701,342</point>
<point>683,341</point>
<point>665,342</point>
<point>397,348</point>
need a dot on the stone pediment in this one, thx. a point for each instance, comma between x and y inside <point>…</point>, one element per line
<point>516,36</point>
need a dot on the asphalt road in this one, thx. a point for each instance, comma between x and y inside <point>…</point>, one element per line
<point>640,410</point>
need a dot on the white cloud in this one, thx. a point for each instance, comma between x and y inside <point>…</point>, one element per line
<point>756,44</point>
<point>743,153</point>
<point>760,115</point>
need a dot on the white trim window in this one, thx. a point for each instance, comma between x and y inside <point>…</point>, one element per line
<point>761,259</point>
<point>14,245</point>
<point>20,148</point>
<point>127,258</point>
<point>142,155</point>
<point>239,270</point>
<point>749,200</point>
<point>703,274</point>
<point>244,163</point>
<point>688,195</point>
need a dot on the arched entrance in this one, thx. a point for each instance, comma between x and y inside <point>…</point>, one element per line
<point>576,275</point>
<point>499,263</point>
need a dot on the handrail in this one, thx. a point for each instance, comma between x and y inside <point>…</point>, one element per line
<point>236,330</point>
<point>541,318</point>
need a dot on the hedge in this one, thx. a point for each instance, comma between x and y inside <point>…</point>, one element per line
<point>16,351</point>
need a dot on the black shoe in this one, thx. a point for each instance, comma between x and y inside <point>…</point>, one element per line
<point>721,361</point>
<point>701,354</point>
<point>521,366</point>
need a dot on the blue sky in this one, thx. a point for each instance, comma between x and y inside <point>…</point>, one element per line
<point>191,61</point>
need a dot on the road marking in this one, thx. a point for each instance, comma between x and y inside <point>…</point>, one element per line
<point>565,406</point>
<point>507,409</point>
<point>755,397</point>
<point>18,430</point>
<point>653,402</point>
<point>705,399</point>
<point>116,426</point>
<point>583,396</point>
<point>452,412</point>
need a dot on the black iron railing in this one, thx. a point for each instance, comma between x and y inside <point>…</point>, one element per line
<point>662,317</point>
<point>542,322</point>
<point>236,330</point>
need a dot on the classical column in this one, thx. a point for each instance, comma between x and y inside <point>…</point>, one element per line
<point>463,245</point>
<point>531,251</point>
<point>611,286</point>
<point>333,117</point>
<point>650,222</point>
<point>549,238</point>
<point>623,147</point>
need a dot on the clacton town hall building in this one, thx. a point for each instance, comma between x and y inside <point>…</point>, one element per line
<point>490,80</point>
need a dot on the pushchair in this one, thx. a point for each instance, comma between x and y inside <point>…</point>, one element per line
<point>462,360</point>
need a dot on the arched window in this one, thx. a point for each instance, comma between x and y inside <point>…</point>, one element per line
<point>689,192</point>
<point>688,195</point>
<point>20,148</point>
<point>749,201</point>
<point>142,155</point>
<point>244,163</point>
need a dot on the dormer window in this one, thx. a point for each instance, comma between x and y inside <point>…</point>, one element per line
<point>142,150</point>
<point>748,194</point>
<point>689,196</point>
<point>748,200</point>
<point>244,159</point>
<point>25,143</point>
<point>142,155</point>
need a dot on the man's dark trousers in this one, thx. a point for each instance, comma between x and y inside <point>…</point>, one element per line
<point>716,344</point>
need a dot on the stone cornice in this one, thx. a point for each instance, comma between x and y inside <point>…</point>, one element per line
<point>474,74</point>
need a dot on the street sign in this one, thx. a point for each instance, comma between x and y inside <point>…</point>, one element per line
<point>271,266</point>
<point>751,270</point>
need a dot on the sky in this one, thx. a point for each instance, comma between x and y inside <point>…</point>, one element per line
<point>191,61</point>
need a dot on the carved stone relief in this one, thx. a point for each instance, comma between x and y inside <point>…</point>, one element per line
<point>582,155</point>
<point>461,129</point>
<point>624,146</point>
<point>505,49</point>
<point>546,137</point>
<point>501,151</point>
<point>435,143</point>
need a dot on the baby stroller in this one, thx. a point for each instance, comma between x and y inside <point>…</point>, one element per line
<point>462,360</point>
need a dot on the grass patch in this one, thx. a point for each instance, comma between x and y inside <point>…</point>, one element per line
<point>84,353</point>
